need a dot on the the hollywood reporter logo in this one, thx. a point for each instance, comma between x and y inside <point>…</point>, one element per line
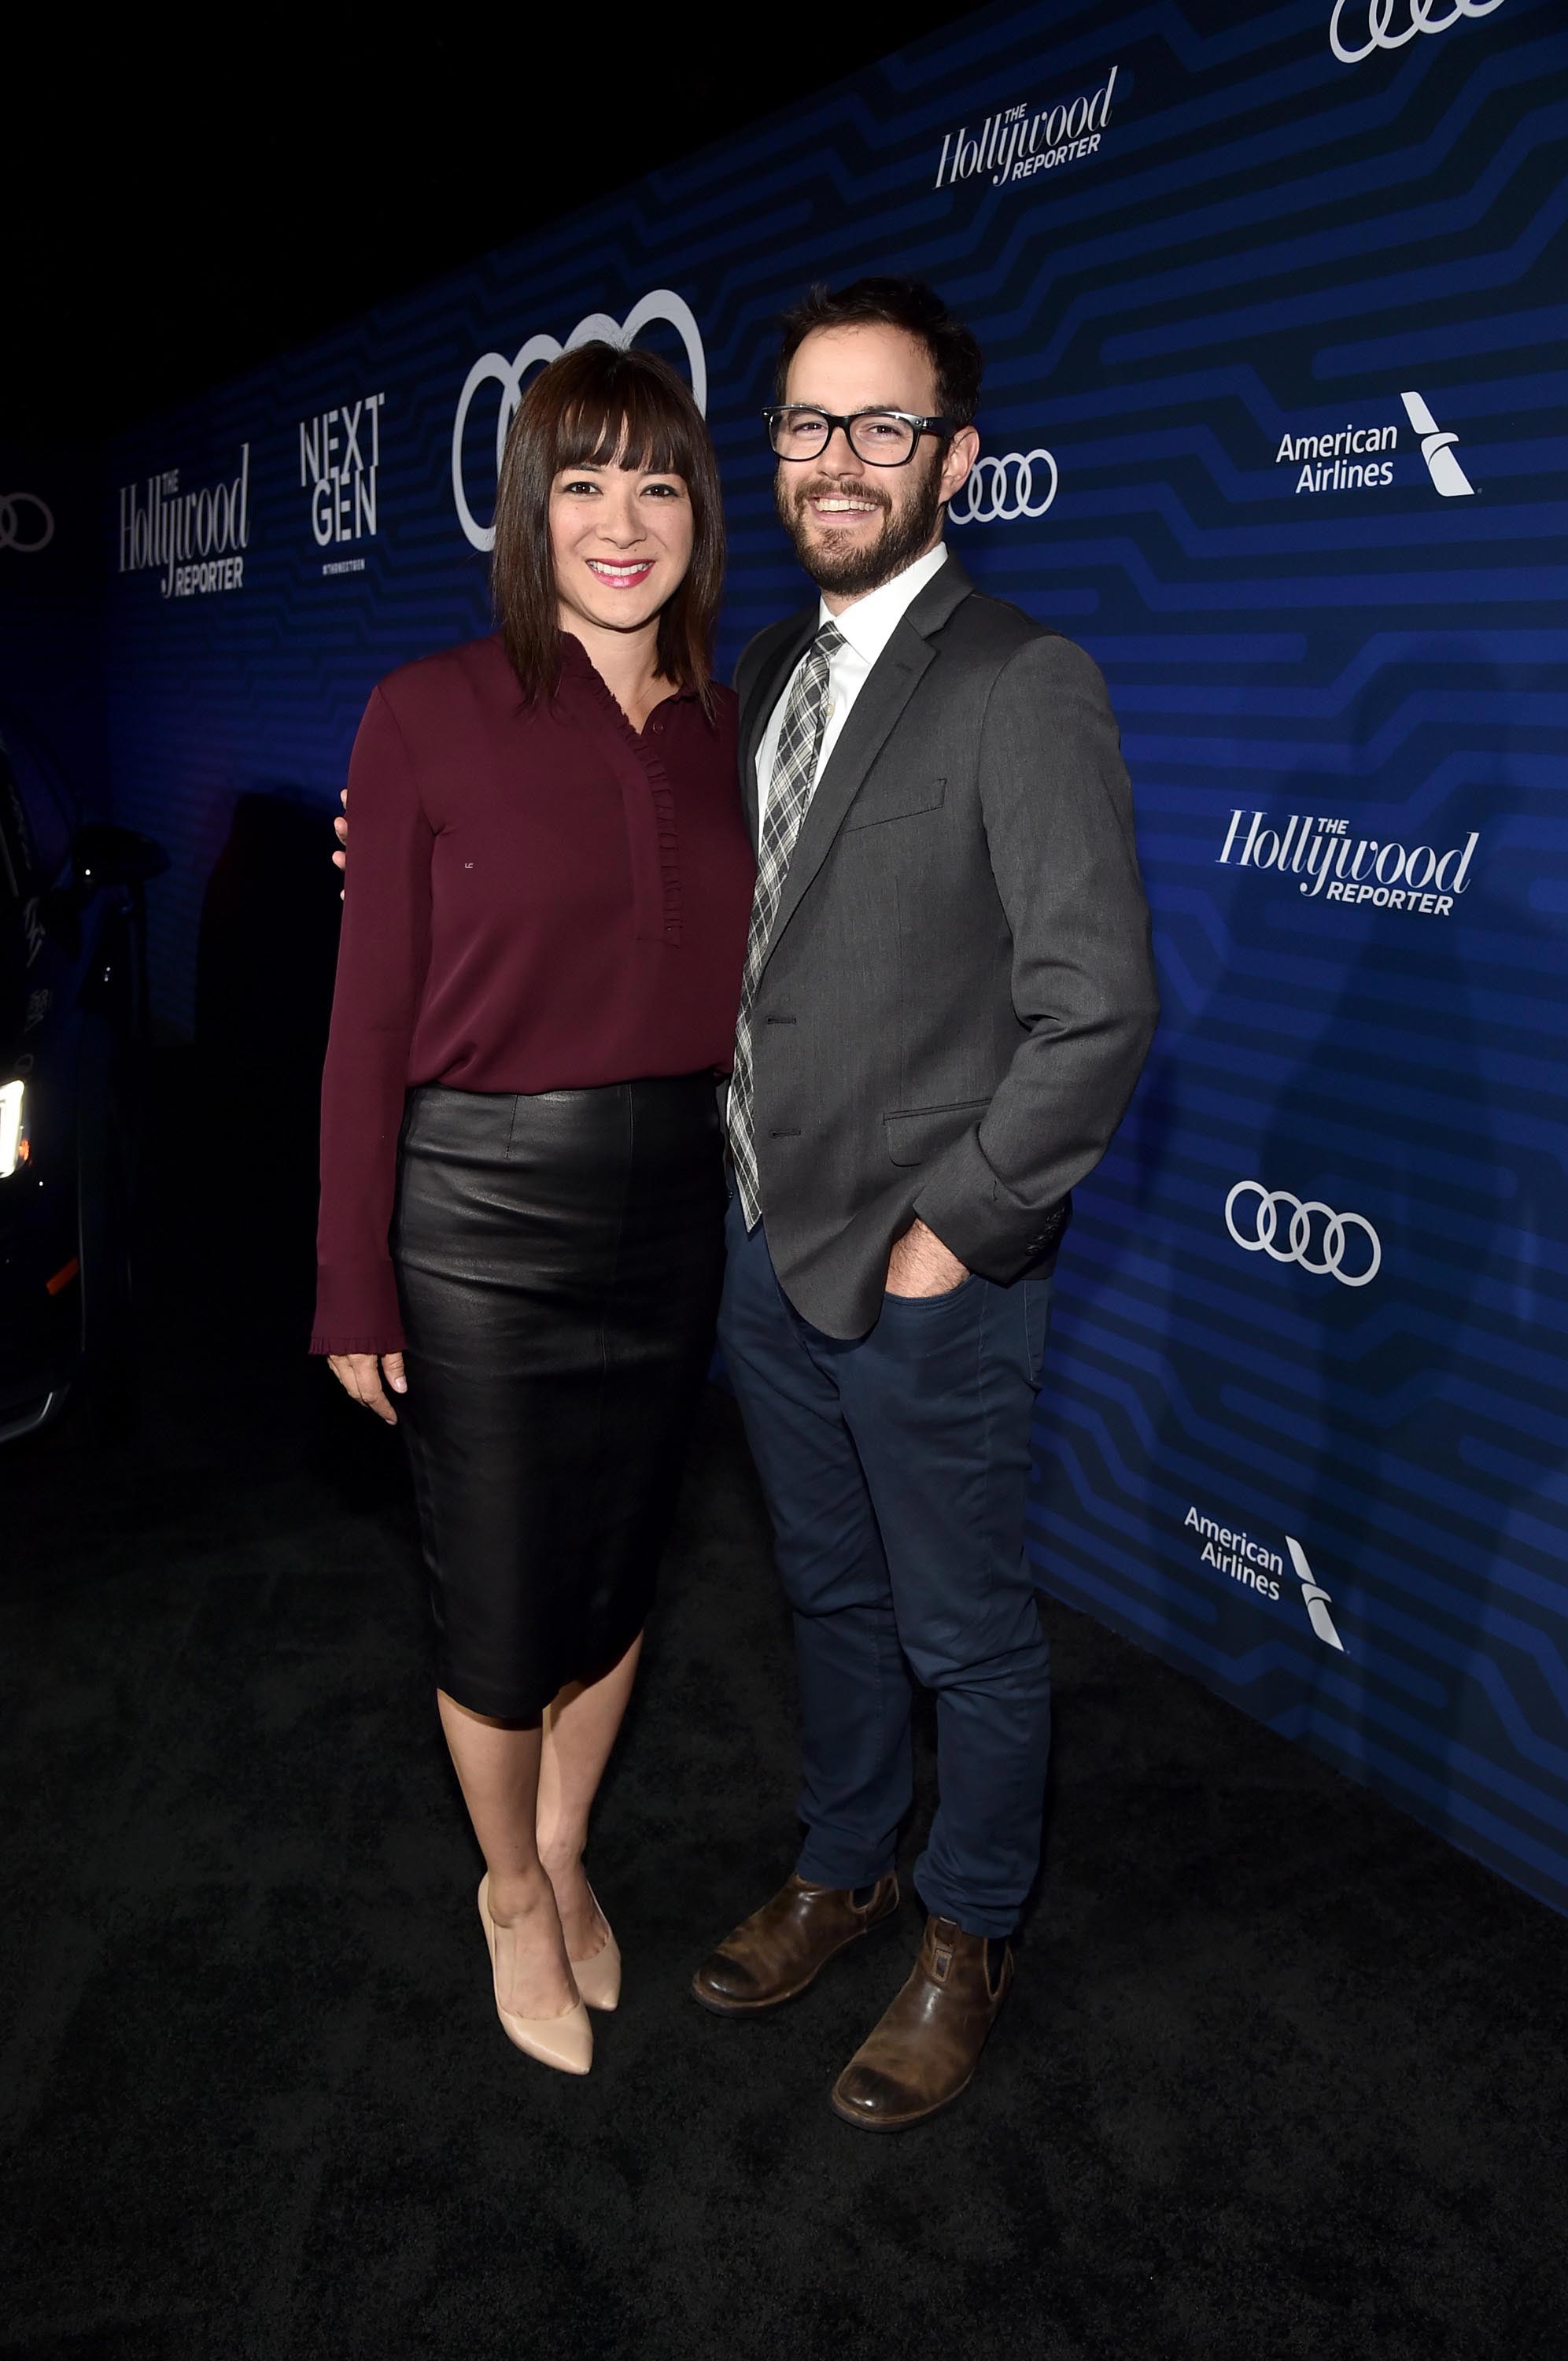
<point>1016,142</point>
<point>195,538</point>
<point>663,304</point>
<point>1390,24</point>
<point>1327,860</point>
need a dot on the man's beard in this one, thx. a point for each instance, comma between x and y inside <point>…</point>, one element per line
<point>847,569</point>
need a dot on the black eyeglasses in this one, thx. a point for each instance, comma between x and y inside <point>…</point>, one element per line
<point>884,438</point>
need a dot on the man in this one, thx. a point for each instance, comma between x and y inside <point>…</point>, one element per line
<point>948,999</point>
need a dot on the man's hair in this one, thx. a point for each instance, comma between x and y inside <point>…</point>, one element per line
<point>609,407</point>
<point>906,304</point>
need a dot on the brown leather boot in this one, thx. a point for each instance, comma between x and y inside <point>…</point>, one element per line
<point>927,2046</point>
<point>785,1946</point>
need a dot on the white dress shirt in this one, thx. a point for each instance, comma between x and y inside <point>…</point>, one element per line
<point>867,627</point>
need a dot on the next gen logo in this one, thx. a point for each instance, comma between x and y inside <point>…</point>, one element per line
<point>340,451</point>
<point>1261,1570</point>
<point>1351,458</point>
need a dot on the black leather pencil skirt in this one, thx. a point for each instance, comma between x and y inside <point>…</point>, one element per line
<point>559,1260</point>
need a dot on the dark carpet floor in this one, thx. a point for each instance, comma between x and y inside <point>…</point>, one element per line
<point>1282,2075</point>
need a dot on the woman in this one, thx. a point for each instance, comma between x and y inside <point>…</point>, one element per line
<point>521,1194</point>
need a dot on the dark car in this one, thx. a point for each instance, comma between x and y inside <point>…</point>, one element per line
<point>73,1027</point>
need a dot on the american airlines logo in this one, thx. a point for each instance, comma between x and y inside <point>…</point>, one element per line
<point>1227,1549</point>
<point>1359,455</point>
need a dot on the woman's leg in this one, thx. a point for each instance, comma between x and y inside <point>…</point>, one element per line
<point>498,1770</point>
<point>580,1728</point>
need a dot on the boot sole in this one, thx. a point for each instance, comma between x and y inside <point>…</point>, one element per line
<point>897,2123</point>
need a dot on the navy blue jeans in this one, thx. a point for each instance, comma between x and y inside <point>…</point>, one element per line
<point>895,1468</point>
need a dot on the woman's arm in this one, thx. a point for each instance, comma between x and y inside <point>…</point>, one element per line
<point>382,955</point>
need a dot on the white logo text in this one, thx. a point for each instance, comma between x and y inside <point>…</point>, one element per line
<point>1237,1554</point>
<point>195,537</point>
<point>1014,145</point>
<point>1329,861</point>
<point>340,451</point>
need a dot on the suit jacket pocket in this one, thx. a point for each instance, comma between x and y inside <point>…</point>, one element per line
<point>896,798</point>
<point>924,1132</point>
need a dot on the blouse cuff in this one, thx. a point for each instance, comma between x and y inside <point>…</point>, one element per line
<point>358,1309</point>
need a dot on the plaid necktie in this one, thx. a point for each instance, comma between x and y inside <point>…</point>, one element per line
<point>794,775</point>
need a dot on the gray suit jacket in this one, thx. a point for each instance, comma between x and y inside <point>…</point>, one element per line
<point>959,993</point>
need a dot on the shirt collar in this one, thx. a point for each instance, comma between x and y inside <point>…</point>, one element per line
<point>871,623</point>
<point>578,664</point>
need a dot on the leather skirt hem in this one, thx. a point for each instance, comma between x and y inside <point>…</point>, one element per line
<point>523,1708</point>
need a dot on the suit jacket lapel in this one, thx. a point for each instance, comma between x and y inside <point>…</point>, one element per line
<point>890,685</point>
<point>888,689</point>
<point>765,696</point>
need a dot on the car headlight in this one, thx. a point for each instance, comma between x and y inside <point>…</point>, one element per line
<point>11,1146</point>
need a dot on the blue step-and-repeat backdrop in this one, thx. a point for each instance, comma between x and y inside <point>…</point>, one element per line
<point>1274,425</point>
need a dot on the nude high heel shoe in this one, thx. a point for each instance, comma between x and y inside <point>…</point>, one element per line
<point>598,1979</point>
<point>565,2042</point>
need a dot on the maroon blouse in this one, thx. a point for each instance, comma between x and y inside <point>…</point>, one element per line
<point>538,898</point>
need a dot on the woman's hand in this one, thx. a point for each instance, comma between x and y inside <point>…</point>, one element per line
<point>340,829</point>
<point>360,1374</point>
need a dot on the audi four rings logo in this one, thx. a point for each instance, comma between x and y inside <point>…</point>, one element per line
<point>661,305</point>
<point>1391,22</point>
<point>27,523</point>
<point>1000,489</point>
<point>1265,1222</point>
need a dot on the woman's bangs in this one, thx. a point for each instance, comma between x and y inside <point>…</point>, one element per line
<point>631,425</point>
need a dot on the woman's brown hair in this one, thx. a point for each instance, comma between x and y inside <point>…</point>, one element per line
<point>601,406</point>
